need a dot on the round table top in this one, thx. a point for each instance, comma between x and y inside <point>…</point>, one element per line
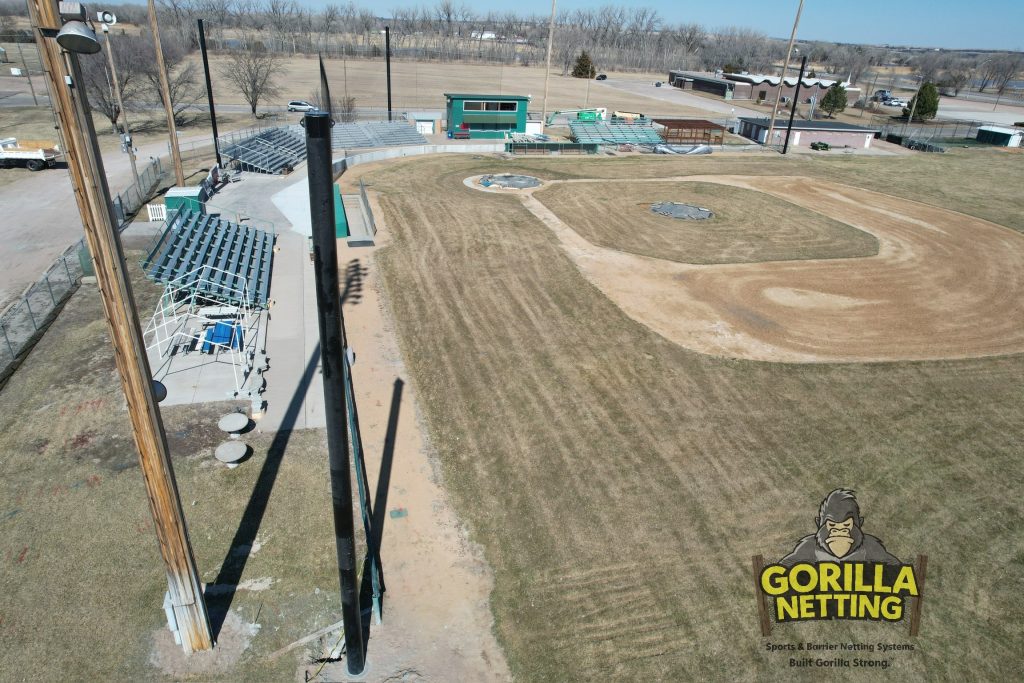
<point>231,451</point>
<point>233,422</point>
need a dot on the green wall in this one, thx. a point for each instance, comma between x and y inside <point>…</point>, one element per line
<point>486,124</point>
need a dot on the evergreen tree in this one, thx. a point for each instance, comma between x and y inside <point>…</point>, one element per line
<point>834,100</point>
<point>584,67</point>
<point>927,100</point>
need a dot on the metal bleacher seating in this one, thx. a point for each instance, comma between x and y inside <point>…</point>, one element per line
<point>219,255</point>
<point>274,150</point>
<point>615,133</point>
<point>363,134</point>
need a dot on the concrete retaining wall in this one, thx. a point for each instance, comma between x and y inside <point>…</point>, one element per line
<point>341,165</point>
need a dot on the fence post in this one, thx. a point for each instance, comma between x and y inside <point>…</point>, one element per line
<point>31,315</point>
<point>50,288</point>
<point>10,347</point>
<point>64,260</point>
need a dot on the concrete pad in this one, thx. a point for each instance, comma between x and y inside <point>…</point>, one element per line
<point>248,201</point>
<point>194,377</point>
<point>293,203</point>
<point>294,396</point>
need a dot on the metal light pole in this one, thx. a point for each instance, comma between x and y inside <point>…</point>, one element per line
<point>332,353</point>
<point>547,66</point>
<point>161,67</point>
<point>92,195</point>
<point>209,91</point>
<point>796,99</point>
<point>782,80</point>
<point>127,139</point>
<point>387,61</point>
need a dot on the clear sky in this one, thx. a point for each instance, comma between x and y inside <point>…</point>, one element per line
<point>985,24</point>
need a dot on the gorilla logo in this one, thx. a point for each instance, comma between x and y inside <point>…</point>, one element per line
<point>839,538</point>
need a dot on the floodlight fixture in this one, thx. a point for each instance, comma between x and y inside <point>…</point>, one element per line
<point>77,37</point>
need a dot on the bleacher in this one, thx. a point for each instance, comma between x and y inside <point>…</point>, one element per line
<point>218,252</point>
<point>363,134</point>
<point>274,150</point>
<point>615,133</point>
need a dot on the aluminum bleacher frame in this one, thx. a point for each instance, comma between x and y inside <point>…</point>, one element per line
<point>193,242</point>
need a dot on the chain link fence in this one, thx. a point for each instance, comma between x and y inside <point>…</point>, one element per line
<point>23,322</point>
<point>131,199</point>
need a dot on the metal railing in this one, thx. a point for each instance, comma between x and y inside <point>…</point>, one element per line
<point>131,199</point>
<point>25,320</point>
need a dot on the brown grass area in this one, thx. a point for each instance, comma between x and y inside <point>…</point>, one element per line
<point>82,580</point>
<point>747,226</point>
<point>419,86</point>
<point>619,483</point>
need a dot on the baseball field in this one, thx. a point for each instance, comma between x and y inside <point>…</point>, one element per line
<point>626,410</point>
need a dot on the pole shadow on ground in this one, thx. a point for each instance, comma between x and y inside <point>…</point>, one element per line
<point>379,509</point>
<point>221,592</point>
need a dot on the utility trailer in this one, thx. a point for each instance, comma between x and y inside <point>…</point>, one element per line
<point>35,155</point>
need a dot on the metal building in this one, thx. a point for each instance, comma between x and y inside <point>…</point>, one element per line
<point>1003,137</point>
<point>485,116</point>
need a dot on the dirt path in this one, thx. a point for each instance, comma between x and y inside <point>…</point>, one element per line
<point>437,623</point>
<point>944,285</point>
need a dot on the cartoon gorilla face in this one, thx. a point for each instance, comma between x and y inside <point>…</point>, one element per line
<point>839,536</point>
<point>839,523</point>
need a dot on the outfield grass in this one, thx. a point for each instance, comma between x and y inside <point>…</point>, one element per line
<point>747,226</point>
<point>619,484</point>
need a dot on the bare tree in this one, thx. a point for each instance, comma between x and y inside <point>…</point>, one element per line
<point>252,73</point>
<point>954,80</point>
<point>130,52</point>
<point>182,75</point>
<point>1005,68</point>
<point>343,108</point>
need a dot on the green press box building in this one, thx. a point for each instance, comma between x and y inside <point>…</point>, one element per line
<point>485,116</point>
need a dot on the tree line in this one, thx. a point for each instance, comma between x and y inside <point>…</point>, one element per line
<point>614,38</point>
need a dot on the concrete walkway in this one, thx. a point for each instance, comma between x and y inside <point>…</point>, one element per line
<point>293,400</point>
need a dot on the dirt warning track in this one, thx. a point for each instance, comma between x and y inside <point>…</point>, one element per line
<point>943,285</point>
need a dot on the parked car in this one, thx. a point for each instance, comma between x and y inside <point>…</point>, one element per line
<point>895,102</point>
<point>821,146</point>
<point>657,84</point>
<point>300,105</point>
<point>883,95</point>
<point>602,77</point>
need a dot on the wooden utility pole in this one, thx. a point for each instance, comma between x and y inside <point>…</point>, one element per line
<point>165,89</point>
<point>124,114</point>
<point>93,198</point>
<point>547,68</point>
<point>782,80</point>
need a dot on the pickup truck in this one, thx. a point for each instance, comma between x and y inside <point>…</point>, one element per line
<point>35,155</point>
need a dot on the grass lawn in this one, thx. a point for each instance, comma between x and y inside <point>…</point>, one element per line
<point>619,484</point>
<point>82,583</point>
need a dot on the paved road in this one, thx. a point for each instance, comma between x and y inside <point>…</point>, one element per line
<point>40,217</point>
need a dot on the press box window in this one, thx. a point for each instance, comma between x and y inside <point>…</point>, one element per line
<point>490,106</point>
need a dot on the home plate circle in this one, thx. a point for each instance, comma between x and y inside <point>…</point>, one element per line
<point>231,451</point>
